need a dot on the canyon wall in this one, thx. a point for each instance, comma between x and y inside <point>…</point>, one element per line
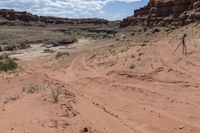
<point>165,13</point>
<point>11,17</point>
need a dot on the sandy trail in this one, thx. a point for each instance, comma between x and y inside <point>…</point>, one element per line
<point>165,100</point>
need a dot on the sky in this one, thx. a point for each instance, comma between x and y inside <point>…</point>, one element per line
<point>106,9</point>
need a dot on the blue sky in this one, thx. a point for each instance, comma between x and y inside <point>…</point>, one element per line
<point>107,9</point>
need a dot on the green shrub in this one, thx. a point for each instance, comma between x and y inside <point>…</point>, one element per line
<point>10,48</point>
<point>14,47</point>
<point>87,34</point>
<point>7,64</point>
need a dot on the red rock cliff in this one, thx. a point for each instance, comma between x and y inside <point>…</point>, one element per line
<point>16,18</point>
<point>165,13</point>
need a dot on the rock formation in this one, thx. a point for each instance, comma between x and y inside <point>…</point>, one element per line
<point>11,17</point>
<point>165,13</point>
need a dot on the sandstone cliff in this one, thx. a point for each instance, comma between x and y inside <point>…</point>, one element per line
<point>165,13</point>
<point>11,17</point>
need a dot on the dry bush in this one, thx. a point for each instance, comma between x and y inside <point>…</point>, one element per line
<point>61,55</point>
<point>55,95</point>
<point>31,89</point>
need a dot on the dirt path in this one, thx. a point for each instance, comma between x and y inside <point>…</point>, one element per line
<point>165,100</point>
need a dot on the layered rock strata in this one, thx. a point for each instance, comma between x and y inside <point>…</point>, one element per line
<point>165,13</point>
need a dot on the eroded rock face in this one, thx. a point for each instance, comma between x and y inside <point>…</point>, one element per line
<point>21,16</point>
<point>13,18</point>
<point>165,13</point>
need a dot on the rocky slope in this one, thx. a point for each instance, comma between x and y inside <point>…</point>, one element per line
<point>165,13</point>
<point>11,17</point>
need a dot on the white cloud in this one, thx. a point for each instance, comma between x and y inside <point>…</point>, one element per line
<point>63,8</point>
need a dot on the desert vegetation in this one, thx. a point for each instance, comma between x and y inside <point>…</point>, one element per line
<point>30,89</point>
<point>7,63</point>
<point>61,54</point>
<point>48,51</point>
<point>87,34</point>
<point>14,47</point>
<point>55,95</point>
